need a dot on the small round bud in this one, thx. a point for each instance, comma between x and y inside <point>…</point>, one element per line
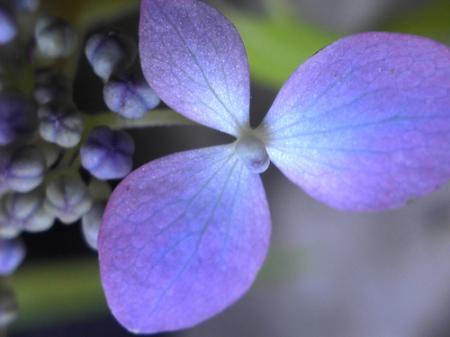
<point>8,305</point>
<point>12,253</point>
<point>90,223</point>
<point>8,27</point>
<point>51,87</point>
<point>60,124</point>
<point>109,53</point>
<point>24,211</point>
<point>17,118</point>
<point>107,154</point>
<point>21,169</point>
<point>253,154</point>
<point>130,97</point>
<point>55,37</point>
<point>68,198</point>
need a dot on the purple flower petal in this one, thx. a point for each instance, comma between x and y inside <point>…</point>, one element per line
<point>194,59</point>
<point>365,123</point>
<point>182,238</point>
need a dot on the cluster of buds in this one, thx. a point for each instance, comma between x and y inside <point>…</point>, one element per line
<point>46,142</point>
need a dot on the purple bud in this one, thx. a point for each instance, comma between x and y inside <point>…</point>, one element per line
<point>17,118</point>
<point>109,53</point>
<point>130,96</point>
<point>61,125</point>
<point>90,223</point>
<point>24,211</point>
<point>12,253</point>
<point>55,37</point>
<point>8,28</point>
<point>21,169</point>
<point>68,198</point>
<point>107,154</point>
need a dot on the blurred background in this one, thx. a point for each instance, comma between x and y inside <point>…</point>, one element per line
<point>328,274</point>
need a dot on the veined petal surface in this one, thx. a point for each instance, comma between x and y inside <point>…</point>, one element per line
<point>365,123</point>
<point>194,59</point>
<point>182,238</point>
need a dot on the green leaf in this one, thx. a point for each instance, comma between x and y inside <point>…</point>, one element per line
<point>277,43</point>
<point>432,20</point>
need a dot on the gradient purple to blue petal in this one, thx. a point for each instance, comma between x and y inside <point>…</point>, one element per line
<point>365,123</point>
<point>182,238</point>
<point>194,59</point>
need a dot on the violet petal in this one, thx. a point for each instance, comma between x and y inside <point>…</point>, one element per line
<point>365,123</point>
<point>182,238</point>
<point>194,59</point>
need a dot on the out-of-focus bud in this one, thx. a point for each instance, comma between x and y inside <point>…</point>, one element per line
<point>24,211</point>
<point>8,27</point>
<point>90,223</point>
<point>8,305</point>
<point>60,124</point>
<point>109,53</point>
<point>55,37</point>
<point>107,154</point>
<point>21,169</point>
<point>99,190</point>
<point>130,96</point>
<point>12,253</point>
<point>17,118</point>
<point>51,87</point>
<point>68,198</point>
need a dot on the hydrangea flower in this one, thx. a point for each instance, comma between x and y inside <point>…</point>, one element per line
<point>363,125</point>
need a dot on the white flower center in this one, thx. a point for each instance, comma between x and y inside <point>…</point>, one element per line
<point>252,151</point>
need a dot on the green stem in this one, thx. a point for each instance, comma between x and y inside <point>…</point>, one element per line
<point>154,118</point>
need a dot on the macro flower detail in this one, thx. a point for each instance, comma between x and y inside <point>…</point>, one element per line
<point>60,124</point>
<point>109,53</point>
<point>24,212</point>
<point>107,154</point>
<point>130,96</point>
<point>363,125</point>
<point>55,37</point>
<point>68,198</point>
<point>22,169</point>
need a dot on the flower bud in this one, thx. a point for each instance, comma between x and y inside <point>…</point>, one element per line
<point>109,53</point>
<point>24,211</point>
<point>68,198</point>
<point>60,124</point>
<point>17,118</point>
<point>8,305</point>
<point>90,223</point>
<point>8,27</point>
<point>21,169</point>
<point>51,87</point>
<point>55,37</point>
<point>12,253</point>
<point>130,96</point>
<point>107,154</point>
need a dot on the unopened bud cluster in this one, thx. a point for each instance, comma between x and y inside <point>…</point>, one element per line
<point>45,140</point>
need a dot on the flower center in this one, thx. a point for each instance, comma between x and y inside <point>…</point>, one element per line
<point>252,151</point>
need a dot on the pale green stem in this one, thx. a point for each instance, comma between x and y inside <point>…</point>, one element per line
<point>154,118</point>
